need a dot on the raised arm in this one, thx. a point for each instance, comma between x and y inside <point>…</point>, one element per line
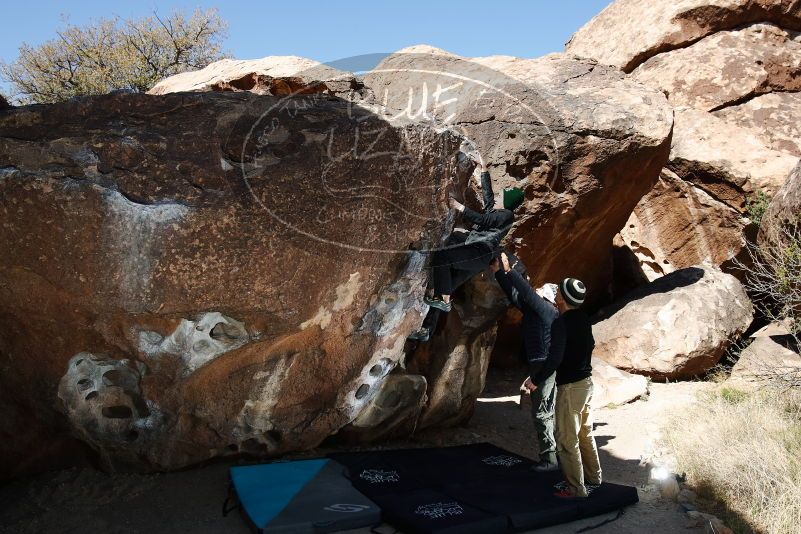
<point>530,299</point>
<point>506,285</point>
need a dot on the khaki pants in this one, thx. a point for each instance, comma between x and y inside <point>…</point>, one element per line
<point>575,443</point>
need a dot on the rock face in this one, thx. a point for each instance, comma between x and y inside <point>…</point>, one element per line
<point>696,213</point>
<point>727,68</point>
<point>583,142</point>
<point>272,75</point>
<point>641,29</point>
<point>613,386</point>
<point>740,60</point>
<point>677,225</point>
<point>676,327</point>
<point>202,274</point>
<point>773,116</point>
<point>765,358</point>
<point>784,209</point>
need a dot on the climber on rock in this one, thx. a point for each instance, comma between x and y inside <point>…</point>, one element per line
<point>468,254</point>
<point>543,346</point>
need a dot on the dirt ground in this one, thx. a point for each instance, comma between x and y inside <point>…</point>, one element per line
<point>84,500</point>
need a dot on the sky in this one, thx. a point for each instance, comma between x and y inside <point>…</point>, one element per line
<point>335,29</point>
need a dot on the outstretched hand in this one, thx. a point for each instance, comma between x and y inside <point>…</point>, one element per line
<point>505,260</point>
<point>455,204</point>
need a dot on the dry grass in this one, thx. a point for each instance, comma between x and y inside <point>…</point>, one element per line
<point>744,450</point>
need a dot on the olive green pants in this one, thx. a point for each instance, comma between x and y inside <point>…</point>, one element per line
<point>575,444</point>
<point>542,411</point>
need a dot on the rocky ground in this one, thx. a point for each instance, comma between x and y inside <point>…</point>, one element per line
<point>84,500</point>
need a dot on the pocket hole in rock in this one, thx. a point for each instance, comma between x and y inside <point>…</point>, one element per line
<point>274,435</point>
<point>112,378</point>
<point>84,384</point>
<point>117,412</point>
<point>78,362</point>
<point>131,436</point>
<point>91,395</point>
<point>376,370</point>
<point>362,391</point>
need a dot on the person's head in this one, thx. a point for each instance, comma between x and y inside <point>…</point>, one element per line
<point>512,198</point>
<point>570,295</point>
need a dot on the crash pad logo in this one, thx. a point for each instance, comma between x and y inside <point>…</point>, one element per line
<point>438,510</point>
<point>502,460</point>
<point>379,476</point>
<point>347,508</point>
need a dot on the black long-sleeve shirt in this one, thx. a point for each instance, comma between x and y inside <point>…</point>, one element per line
<point>492,225</point>
<point>543,331</point>
<point>577,360</point>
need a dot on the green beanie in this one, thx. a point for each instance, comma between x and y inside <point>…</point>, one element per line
<point>512,197</point>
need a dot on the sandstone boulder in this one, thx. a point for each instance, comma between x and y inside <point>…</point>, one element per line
<point>628,32</point>
<point>193,275</point>
<point>611,386</point>
<point>272,75</point>
<point>583,142</point>
<point>766,359</point>
<point>727,68</point>
<point>678,326</point>
<point>774,116</point>
<point>784,210</point>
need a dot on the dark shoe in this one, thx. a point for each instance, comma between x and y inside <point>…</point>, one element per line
<point>424,334</point>
<point>544,466</point>
<point>438,303</point>
<point>591,488</point>
<point>561,486</point>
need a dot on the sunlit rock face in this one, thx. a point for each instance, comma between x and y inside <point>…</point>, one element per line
<point>193,275</point>
<point>732,69</point>
<point>678,326</point>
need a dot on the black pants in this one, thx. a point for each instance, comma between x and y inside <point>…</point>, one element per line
<point>452,267</point>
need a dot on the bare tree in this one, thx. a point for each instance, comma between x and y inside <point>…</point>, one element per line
<point>773,280</point>
<point>113,54</point>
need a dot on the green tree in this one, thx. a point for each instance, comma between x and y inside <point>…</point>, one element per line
<point>115,54</point>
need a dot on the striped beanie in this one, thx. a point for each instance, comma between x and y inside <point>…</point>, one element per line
<point>573,291</point>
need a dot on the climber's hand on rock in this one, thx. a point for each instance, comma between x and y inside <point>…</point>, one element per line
<point>455,204</point>
<point>505,260</point>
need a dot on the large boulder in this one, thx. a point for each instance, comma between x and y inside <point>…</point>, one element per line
<point>193,275</point>
<point>628,32</point>
<point>271,75</point>
<point>774,116</point>
<point>784,210</point>
<point>583,142</point>
<point>678,326</point>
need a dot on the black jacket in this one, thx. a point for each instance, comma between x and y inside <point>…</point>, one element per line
<point>577,361</point>
<point>492,225</point>
<point>543,333</point>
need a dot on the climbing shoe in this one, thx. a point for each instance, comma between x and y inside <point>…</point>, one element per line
<point>438,303</point>
<point>424,334</point>
<point>544,466</point>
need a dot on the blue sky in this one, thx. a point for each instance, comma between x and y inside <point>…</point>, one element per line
<point>331,30</point>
